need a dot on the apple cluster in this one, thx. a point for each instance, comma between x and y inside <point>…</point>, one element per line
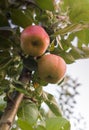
<point>34,42</point>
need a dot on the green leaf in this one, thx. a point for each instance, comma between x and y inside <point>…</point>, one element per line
<point>76,53</point>
<point>40,128</point>
<point>69,28</point>
<point>2,75</point>
<point>3,4</point>
<point>2,104</point>
<point>21,18</point>
<point>3,21</point>
<point>5,59</point>
<point>78,10</point>
<point>4,85</point>
<point>6,32</point>
<point>5,62</point>
<point>24,125</point>
<point>22,90</point>
<point>57,123</point>
<point>86,51</point>
<point>30,63</point>
<point>82,37</point>
<point>4,55</point>
<point>51,102</point>
<point>20,87</point>
<point>4,43</point>
<point>28,112</point>
<point>67,57</point>
<point>46,5</point>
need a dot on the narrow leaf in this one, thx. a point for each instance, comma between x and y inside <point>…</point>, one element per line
<point>5,63</point>
<point>86,51</point>
<point>68,57</point>
<point>53,105</point>
<point>76,53</point>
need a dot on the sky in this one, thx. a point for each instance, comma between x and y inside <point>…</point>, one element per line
<point>80,70</point>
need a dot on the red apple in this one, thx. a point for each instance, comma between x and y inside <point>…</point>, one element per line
<point>34,40</point>
<point>51,68</point>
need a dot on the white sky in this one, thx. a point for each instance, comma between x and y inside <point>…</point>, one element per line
<point>80,70</point>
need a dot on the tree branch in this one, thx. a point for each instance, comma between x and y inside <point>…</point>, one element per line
<point>13,105</point>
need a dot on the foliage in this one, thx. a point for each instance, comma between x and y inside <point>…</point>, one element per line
<point>65,21</point>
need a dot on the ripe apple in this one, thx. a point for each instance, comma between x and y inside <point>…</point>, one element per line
<point>51,68</point>
<point>34,40</point>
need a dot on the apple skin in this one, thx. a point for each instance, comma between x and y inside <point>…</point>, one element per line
<point>34,40</point>
<point>51,68</point>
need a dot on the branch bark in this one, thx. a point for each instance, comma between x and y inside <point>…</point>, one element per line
<point>8,117</point>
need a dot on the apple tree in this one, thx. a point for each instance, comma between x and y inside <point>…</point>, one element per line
<point>21,87</point>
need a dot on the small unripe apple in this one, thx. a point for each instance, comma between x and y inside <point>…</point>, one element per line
<point>34,40</point>
<point>51,68</point>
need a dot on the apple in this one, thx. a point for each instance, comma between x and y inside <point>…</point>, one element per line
<point>34,40</point>
<point>51,68</point>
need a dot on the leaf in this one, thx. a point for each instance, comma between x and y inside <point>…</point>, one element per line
<point>82,36</point>
<point>57,123</point>
<point>72,28</point>
<point>67,56</point>
<point>2,104</point>
<point>30,63</point>
<point>24,125</point>
<point>22,90</point>
<point>20,18</point>
<point>20,87</point>
<point>52,45</point>
<point>76,53</point>
<point>3,4</point>
<point>28,112</point>
<point>6,32</point>
<point>86,51</point>
<point>40,128</point>
<point>4,43</point>
<point>45,4</point>
<point>2,75</point>
<point>3,21</point>
<point>4,63</point>
<point>5,59</point>
<point>4,55</point>
<point>4,85</point>
<point>65,43</point>
<point>78,10</point>
<point>51,102</point>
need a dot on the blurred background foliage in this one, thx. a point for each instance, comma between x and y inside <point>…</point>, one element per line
<point>67,23</point>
